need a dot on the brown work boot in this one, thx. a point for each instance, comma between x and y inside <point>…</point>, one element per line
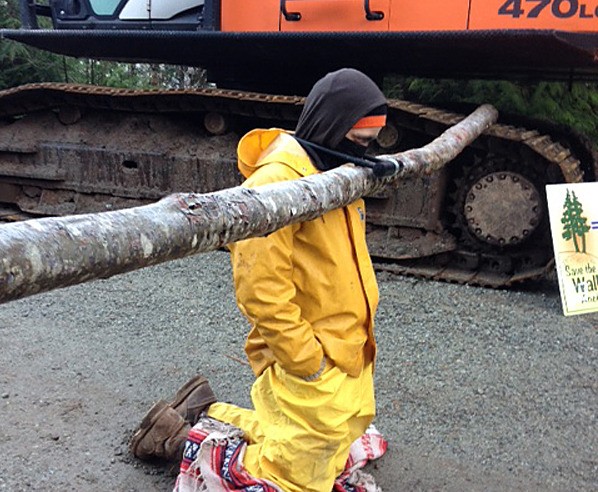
<point>162,434</point>
<point>193,398</point>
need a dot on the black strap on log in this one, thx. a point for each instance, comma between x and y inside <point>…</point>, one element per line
<point>382,167</point>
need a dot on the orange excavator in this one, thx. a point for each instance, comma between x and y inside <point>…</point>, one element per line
<point>482,220</point>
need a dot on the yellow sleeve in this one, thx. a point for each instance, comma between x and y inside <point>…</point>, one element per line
<point>263,277</point>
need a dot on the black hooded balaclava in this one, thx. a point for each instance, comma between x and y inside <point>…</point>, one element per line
<point>335,103</point>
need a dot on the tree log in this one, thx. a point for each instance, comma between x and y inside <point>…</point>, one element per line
<point>43,254</point>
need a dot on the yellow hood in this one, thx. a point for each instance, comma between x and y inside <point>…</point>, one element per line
<point>255,149</point>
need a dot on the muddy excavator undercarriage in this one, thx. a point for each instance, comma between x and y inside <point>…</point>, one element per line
<point>481,221</point>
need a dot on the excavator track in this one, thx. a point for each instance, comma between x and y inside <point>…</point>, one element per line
<point>474,263</point>
<point>473,249</point>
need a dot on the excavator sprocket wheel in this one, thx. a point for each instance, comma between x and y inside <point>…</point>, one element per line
<point>503,208</point>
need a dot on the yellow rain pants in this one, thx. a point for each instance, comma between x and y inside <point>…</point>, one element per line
<point>300,432</point>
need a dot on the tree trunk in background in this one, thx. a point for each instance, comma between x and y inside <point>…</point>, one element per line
<point>44,254</point>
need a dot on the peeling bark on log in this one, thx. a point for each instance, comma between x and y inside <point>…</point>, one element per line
<point>44,254</point>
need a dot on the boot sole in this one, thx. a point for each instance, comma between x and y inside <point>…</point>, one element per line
<point>186,390</point>
<point>151,417</point>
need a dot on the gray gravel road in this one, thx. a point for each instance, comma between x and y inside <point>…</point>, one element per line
<point>477,390</point>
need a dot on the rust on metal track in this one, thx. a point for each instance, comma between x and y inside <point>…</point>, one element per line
<point>36,97</point>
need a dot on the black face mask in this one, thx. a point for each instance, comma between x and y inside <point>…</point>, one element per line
<point>349,147</point>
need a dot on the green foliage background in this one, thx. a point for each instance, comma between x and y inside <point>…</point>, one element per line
<point>574,105</point>
<point>19,64</point>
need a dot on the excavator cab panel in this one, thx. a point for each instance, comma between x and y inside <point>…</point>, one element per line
<point>250,15</point>
<point>429,15</point>
<point>344,15</point>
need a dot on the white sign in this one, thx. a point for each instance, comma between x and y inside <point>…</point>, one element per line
<point>573,210</point>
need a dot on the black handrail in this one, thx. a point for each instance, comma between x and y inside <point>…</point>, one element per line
<point>289,16</point>
<point>372,15</point>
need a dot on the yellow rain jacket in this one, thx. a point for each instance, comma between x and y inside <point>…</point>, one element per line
<point>308,289</point>
<point>310,294</point>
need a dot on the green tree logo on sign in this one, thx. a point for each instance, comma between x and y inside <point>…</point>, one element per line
<point>574,223</point>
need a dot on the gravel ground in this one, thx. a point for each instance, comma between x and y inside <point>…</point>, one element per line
<point>477,389</point>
